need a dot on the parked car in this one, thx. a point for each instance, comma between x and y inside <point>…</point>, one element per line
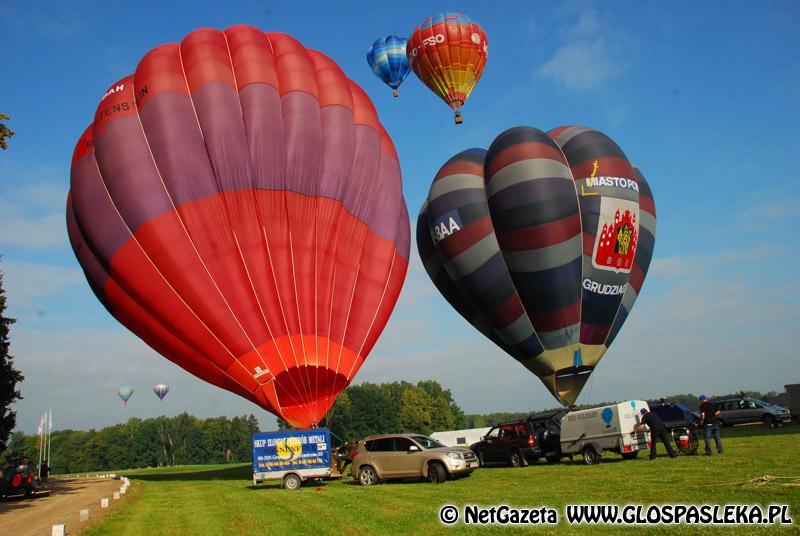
<point>590,432</point>
<point>744,410</point>
<point>519,443</point>
<point>393,456</point>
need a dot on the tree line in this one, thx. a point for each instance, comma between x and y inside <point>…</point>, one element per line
<point>398,407</point>
<point>161,441</point>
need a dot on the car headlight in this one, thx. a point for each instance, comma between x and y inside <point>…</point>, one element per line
<point>455,455</point>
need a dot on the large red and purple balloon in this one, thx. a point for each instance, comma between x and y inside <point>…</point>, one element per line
<point>237,204</point>
<point>542,243</point>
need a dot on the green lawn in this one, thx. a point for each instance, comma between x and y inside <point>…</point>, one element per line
<point>212,500</point>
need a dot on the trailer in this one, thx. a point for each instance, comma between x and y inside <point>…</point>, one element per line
<point>460,438</point>
<point>293,456</point>
<point>589,432</point>
<point>793,399</point>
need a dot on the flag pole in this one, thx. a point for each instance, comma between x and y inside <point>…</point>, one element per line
<point>41,429</point>
<point>50,441</point>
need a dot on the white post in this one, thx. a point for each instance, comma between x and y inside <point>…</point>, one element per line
<point>85,515</point>
<point>41,429</point>
<point>104,502</point>
<point>116,495</point>
<point>58,530</point>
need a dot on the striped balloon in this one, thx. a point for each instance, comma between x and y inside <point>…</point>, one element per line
<point>161,390</point>
<point>448,53</point>
<point>535,243</point>
<point>387,59</point>
<point>238,205</point>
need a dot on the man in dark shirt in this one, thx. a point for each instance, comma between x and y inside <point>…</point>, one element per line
<point>657,430</point>
<point>709,421</point>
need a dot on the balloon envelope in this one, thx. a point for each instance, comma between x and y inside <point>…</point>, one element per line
<point>448,53</point>
<point>237,204</point>
<point>125,392</point>
<point>161,390</point>
<point>542,243</point>
<point>387,59</point>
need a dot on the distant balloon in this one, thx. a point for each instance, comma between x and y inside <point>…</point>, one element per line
<point>387,58</point>
<point>161,390</point>
<point>238,205</point>
<point>125,392</point>
<point>542,243</point>
<point>448,53</point>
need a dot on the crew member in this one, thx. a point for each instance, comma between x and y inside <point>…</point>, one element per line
<point>709,421</point>
<point>657,430</point>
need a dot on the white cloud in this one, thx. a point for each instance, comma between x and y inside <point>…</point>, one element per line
<point>27,282</point>
<point>589,56</point>
<point>32,214</point>
<point>77,373</point>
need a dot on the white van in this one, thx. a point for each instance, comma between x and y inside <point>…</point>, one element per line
<point>589,432</point>
<point>460,438</point>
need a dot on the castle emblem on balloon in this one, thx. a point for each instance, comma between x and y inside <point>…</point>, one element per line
<point>615,244</point>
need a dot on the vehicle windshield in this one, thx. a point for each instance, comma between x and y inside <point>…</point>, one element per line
<point>426,442</point>
<point>760,402</point>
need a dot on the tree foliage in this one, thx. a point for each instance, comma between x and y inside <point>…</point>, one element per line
<point>9,376</point>
<point>369,409</point>
<point>5,132</point>
<point>161,441</point>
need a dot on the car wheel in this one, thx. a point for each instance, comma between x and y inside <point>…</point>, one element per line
<point>292,481</point>
<point>555,458</point>
<point>437,473</point>
<point>367,476</point>
<point>481,463</point>
<point>630,455</point>
<point>515,458</point>
<point>769,421</point>
<point>590,456</point>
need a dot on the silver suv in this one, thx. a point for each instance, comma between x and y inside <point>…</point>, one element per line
<point>386,457</point>
<point>743,410</point>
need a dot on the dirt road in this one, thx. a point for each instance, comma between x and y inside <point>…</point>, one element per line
<point>36,516</point>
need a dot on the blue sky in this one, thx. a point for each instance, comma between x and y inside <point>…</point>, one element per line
<point>703,97</point>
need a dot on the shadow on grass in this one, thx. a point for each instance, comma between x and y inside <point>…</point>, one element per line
<point>276,485</point>
<point>226,473</point>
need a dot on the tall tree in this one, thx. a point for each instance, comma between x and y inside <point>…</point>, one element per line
<point>9,376</point>
<point>5,132</point>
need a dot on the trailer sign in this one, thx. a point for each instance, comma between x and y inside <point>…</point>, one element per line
<point>291,450</point>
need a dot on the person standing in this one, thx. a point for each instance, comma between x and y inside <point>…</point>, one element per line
<point>657,430</point>
<point>709,421</point>
<point>44,472</point>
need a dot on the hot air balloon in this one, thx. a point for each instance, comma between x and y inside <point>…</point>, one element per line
<point>161,390</point>
<point>542,243</point>
<point>125,392</point>
<point>387,59</point>
<point>237,204</point>
<point>448,53</point>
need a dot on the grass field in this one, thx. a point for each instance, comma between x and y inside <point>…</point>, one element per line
<point>211,500</point>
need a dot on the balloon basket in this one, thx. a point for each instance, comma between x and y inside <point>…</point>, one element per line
<point>459,119</point>
<point>394,92</point>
